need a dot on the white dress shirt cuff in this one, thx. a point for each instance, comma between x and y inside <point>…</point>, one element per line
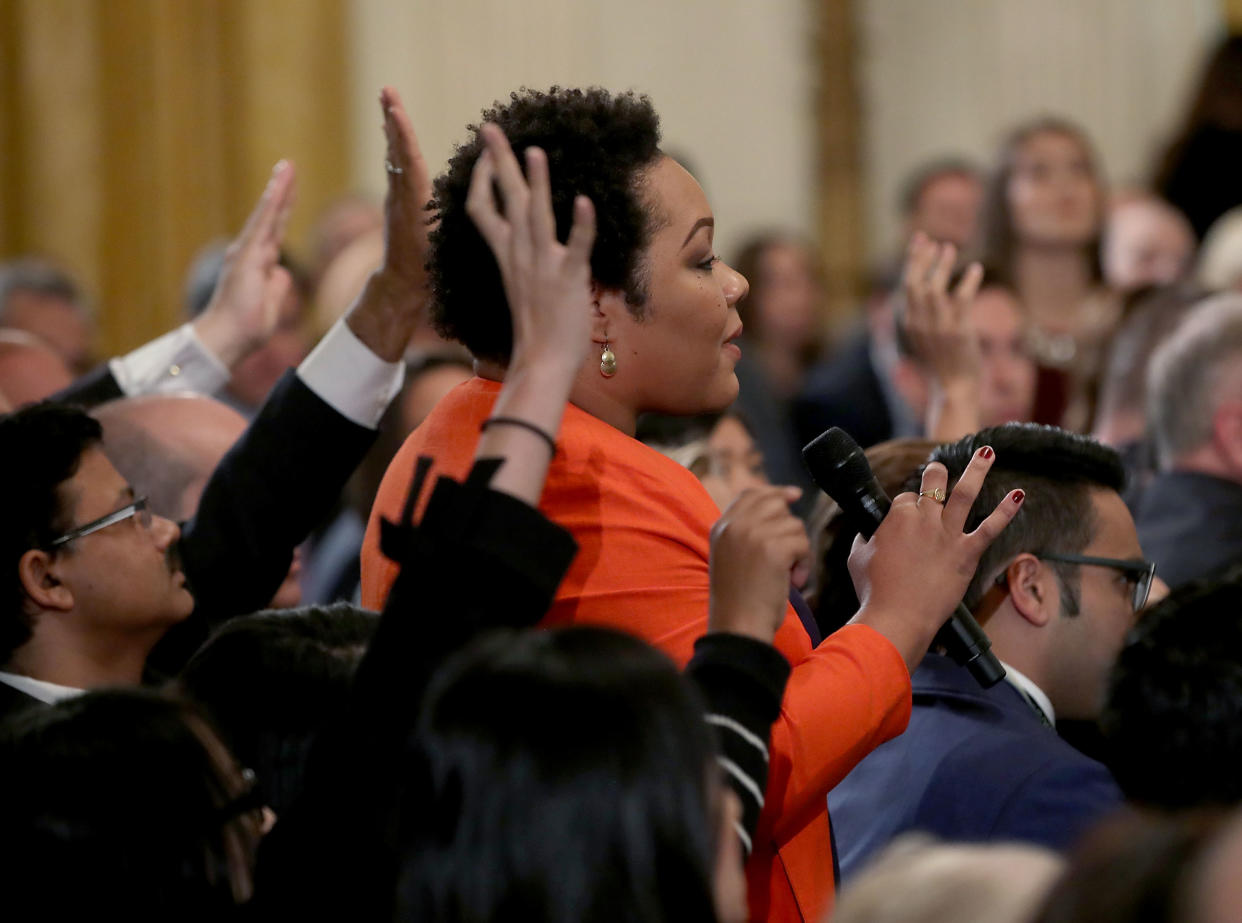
<point>351,379</point>
<point>177,361</point>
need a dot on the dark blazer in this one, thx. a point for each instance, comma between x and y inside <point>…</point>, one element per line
<point>277,483</point>
<point>844,391</point>
<point>974,764</point>
<point>1190,524</point>
<point>13,701</point>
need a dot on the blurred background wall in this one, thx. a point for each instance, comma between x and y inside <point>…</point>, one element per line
<point>133,131</point>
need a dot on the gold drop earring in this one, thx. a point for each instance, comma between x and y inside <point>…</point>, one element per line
<point>607,362</point>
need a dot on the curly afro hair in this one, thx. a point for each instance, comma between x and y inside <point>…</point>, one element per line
<point>598,145</point>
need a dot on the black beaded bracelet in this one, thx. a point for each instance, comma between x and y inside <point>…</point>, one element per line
<point>514,421</point>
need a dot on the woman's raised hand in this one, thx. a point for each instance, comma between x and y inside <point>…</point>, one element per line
<point>916,568</point>
<point>547,283</point>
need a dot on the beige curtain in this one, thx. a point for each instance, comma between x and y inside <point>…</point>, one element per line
<point>134,131</point>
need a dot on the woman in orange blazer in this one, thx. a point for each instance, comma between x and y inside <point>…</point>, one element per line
<point>664,323</point>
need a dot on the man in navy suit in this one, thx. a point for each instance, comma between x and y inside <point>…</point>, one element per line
<point>1057,593</point>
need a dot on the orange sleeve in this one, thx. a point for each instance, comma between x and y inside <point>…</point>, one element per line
<point>843,699</point>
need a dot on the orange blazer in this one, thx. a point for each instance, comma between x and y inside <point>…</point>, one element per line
<point>642,522</point>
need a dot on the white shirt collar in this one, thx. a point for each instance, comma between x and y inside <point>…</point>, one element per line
<point>45,692</point>
<point>1026,685</point>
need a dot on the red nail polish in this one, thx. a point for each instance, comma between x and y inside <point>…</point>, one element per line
<point>1019,496</point>
<point>986,452</point>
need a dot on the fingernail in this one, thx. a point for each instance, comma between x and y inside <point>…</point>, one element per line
<point>986,452</point>
<point>1019,496</point>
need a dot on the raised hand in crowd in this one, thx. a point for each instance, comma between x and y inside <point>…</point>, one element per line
<point>936,322</point>
<point>915,569</point>
<point>394,301</point>
<point>245,306</point>
<point>756,546</point>
<point>548,288</point>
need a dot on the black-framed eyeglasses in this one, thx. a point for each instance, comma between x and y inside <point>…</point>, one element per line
<point>138,508</point>
<point>1139,572</point>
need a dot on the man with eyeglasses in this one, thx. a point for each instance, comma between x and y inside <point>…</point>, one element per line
<point>1057,593</point>
<point>92,587</point>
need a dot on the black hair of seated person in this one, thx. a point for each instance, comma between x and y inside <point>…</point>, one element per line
<point>599,145</point>
<point>1058,470</point>
<point>1133,867</point>
<point>559,776</point>
<point>122,802</point>
<point>1173,715</point>
<point>831,594</point>
<point>41,447</point>
<point>271,680</point>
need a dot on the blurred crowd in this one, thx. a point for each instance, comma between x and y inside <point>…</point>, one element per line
<point>469,568</point>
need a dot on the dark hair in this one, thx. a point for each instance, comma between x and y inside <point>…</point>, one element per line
<point>916,183</point>
<point>1217,104</point>
<point>122,801</point>
<point>1173,716</point>
<point>40,448</point>
<point>39,278</point>
<point>559,776</point>
<point>271,680</point>
<point>1057,469</point>
<point>831,594</point>
<point>598,145</point>
<point>998,241</point>
<point>1132,868</point>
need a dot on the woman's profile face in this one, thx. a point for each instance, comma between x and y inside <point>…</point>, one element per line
<point>1053,194</point>
<point>679,356</point>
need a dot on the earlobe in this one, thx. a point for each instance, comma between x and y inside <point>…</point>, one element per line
<point>37,572</point>
<point>1029,589</point>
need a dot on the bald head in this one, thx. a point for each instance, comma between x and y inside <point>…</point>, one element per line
<point>167,445</point>
<point>29,369</point>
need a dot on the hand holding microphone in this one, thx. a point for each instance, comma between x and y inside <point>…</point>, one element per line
<point>916,567</point>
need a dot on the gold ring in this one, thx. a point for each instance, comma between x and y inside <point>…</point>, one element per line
<point>937,494</point>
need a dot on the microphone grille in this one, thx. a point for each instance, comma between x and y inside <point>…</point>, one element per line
<point>836,462</point>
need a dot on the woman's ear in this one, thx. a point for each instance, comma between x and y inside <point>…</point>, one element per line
<point>607,305</point>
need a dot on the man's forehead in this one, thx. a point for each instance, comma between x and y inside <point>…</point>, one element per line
<point>1115,531</point>
<point>96,482</point>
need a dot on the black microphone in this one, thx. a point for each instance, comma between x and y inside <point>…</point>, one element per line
<point>840,468</point>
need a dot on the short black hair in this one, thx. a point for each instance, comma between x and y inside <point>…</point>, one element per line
<point>1173,715</point>
<point>559,775</point>
<point>119,801</point>
<point>1057,469</point>
<point>270,681</point>
<point>598,145</point>
<point>41,447</point>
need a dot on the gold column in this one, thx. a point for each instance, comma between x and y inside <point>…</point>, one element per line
<point>135,131</point>
<point>838,133</point>
<point>1232,13</point>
